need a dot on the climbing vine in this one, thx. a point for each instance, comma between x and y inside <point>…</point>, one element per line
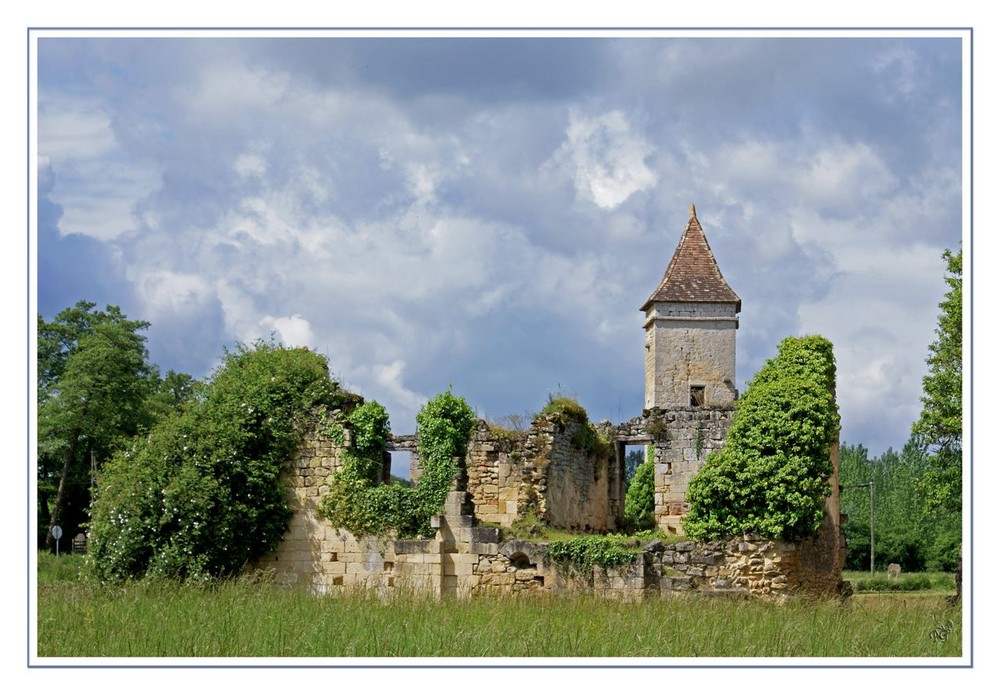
<point>772,475</point>
<point>585,551</point>
<point>358,503</point>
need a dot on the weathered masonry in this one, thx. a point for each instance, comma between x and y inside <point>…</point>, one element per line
<point>552,475</point>
<point>466,558</point>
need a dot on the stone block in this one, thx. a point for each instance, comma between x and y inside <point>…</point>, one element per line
<point>334,568</point>
<point>484,548</point>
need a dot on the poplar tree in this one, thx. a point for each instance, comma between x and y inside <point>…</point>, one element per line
<point>939,428</point>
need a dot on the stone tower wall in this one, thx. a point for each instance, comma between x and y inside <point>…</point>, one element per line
<point>690,344</point>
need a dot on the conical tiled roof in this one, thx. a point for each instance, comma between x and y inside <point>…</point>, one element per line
<point>693,275</point>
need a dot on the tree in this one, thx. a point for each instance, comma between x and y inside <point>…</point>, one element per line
<point>906,532</point>
<point>939,428</point>
<point>633,459</point>
<point>93,381</point>
<point>640,497</point>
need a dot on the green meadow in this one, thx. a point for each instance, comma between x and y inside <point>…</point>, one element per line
<point>78,617</point>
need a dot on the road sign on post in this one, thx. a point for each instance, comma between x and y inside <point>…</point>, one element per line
<point>56,533</point>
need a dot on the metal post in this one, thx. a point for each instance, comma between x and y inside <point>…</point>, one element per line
<point>871,520</point>
<point>871,524</point>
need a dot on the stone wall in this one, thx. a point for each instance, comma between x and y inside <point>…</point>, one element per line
<point>565,485</point>
<point>682,438</point>
<point>464,560</point>
<point>545,471</point>
<point>494,466</point>
<point>690,344</point>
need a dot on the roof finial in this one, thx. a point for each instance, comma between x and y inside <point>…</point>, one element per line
<point>693,213</point>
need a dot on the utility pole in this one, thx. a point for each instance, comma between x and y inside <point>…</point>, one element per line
<point>871,520</point>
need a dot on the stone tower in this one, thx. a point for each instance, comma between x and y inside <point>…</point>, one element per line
<point>691,329</point>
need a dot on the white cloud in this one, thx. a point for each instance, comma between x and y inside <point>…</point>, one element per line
<point>71,128</point>
<point>250,165</point>
<point>165,291</point>
<point>808,172</point>
<point>225,89</point>
<point>389,377</point>
<point>96,182</point>
<point>293,331</point>
<point>606,159</point>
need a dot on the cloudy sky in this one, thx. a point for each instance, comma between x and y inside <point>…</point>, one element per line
<point>490,213</point>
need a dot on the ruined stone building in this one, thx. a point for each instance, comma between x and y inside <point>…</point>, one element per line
<point>545,474</point>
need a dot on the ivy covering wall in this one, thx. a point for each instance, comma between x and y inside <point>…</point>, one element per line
<point>772,475</point>
<point>359,504</point>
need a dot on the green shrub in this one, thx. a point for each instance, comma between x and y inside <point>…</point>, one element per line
<point>772,475</point>
<point>202,494</point>
<point>640,498</point>
<point>606,551</point>
<point>565,408</point>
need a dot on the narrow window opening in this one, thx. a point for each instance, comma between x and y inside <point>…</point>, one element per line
<point>697,396</point>
<point>400,467</point>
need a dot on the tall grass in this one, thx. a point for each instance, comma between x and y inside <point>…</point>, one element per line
<point>240,618</point>
<point>938,581</point>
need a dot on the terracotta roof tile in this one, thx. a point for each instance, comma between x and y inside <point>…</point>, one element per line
<point>693,275</point>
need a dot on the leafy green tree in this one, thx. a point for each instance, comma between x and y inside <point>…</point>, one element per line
<point>633,459</point>
<point>640,496</point>
<point>939,428</point>
<point>772,475</point>
<point>94,378</point>
<point>906,532</point>
<point>202,493</point>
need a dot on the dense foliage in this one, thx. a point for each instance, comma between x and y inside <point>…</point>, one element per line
<point>906,532</point>
<point>357,502</point>
<point>202,495</point>
<point>640,496</point>
<point>96,389</point>
<point>772,475</point>
<point>939,428</point>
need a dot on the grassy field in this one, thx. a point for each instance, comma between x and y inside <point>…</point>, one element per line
<point>242,618</point>
<point>936,582</point>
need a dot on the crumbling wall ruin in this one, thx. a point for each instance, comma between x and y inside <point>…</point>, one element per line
<point>544,472</point>
<point>507,474</point>
<point>682,438</point>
